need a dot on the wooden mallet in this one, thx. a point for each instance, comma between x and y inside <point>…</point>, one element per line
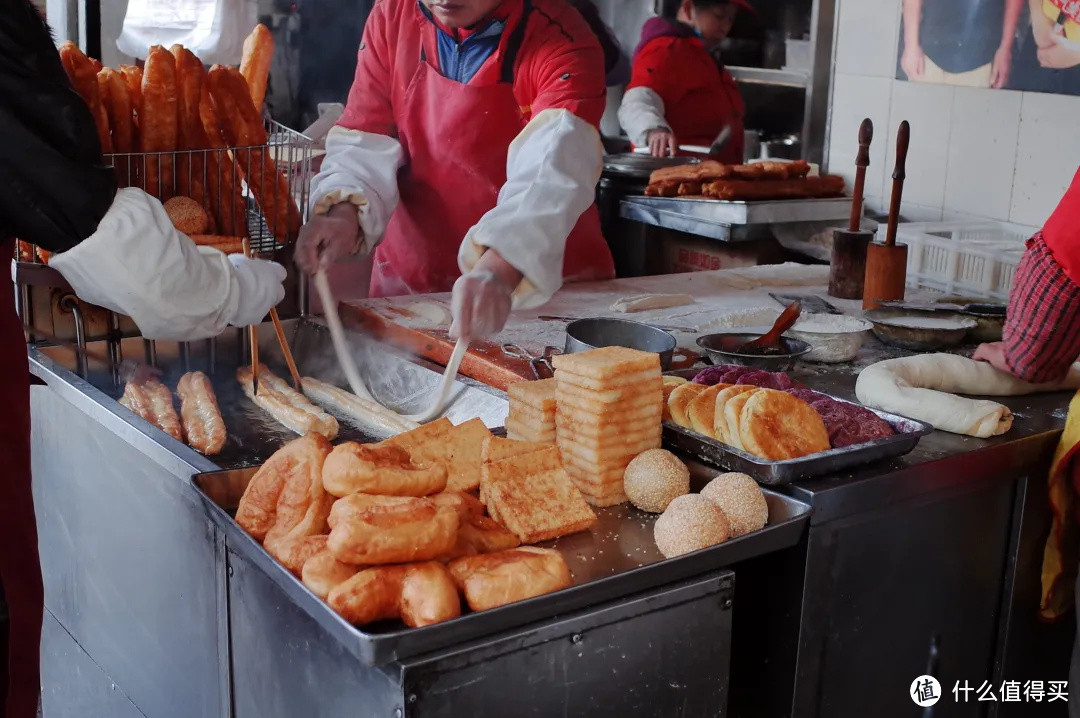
<point>886,264</point>
<point>847,266</point>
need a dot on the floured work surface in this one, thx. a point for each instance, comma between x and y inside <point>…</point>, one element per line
<point>616,558</point>
<point>724,300</point>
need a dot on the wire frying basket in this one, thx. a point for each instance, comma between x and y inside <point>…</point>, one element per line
<point>258,193</point>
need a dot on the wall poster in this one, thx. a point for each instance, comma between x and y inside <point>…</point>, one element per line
<point>1031,45</point>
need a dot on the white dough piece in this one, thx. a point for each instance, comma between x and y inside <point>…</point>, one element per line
<point>367,414</point>
<point>924,387</point>
<point>644,302</point>
<point>433,312</point>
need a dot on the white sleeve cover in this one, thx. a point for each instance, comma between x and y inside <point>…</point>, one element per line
<point>360,168</point>
<point>552,169</point>
<point>137,264</point>
<point>641,110</point>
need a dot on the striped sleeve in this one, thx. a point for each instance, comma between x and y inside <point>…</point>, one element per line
<point>1042,331</point>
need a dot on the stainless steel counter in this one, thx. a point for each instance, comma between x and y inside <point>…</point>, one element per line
<point>145,592</point>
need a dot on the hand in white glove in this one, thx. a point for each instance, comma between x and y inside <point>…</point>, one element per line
<point>329,237</point>
<point>480,306</point>
<point>260,285</point>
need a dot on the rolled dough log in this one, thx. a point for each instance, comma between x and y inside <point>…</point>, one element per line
<point>643,302</point>
<point>924,387</point>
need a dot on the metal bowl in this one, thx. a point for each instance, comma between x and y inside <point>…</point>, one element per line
<point>721,349</point>
<point>585,334</point>
<point>893,326</point>
<point>833,347</point>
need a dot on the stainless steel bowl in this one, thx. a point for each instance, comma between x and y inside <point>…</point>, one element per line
<point>721,349</point>
<point>585,334</point>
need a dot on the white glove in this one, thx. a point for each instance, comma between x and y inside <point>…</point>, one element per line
<point>261,288</point>
<point>480,306</point>
<point>137,264</point>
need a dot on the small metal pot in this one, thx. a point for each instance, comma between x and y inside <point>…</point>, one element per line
<point>721,350</point>
<point>585,334</point>
<point>788,147</point>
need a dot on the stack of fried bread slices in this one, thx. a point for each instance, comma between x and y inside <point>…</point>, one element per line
<point>609,406</point>
<point>532,411</point>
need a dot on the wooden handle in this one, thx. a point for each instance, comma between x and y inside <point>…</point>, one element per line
<point>866,136</point>
<point>903,136</point>
<point>862,161</point>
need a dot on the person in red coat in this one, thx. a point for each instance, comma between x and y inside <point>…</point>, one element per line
<point>678,93</point>
<point>1040,342</point>
<point>467,158</point>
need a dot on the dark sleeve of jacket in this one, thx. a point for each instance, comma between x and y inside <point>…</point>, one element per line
<point>613,54</point>
<point>54,187</point>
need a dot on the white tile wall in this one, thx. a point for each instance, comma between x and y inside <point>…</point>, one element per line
<point>928,109</point>
<point>854,98</point>
<point>982,152</point>
<point>867,35</point>
<point>1048,153</point>
<point>974,153</point>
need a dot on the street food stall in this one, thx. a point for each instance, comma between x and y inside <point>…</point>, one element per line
<point>746,491</point>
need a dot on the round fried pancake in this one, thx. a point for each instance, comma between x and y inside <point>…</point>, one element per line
<point>733,414</point>
<point>720,425</point>
<point>679,401</point>
<point>776,426</point>
<point>700,411</point>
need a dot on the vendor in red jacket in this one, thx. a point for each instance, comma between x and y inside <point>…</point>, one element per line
<point>467,157</point>
<point>1040,343</point>
<point>1042,332</point>
<point>678,92</point>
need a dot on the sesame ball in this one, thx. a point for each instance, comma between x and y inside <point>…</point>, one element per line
<point>740,498</point>
<point>653,478</point>
<point>689,523</point>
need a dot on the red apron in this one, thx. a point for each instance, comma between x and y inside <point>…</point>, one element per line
<point>456,138</point>
<point>20,570</point>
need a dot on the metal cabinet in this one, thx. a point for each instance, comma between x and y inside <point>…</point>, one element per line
<point>665,652</point>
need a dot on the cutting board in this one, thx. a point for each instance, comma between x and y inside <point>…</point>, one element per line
<point>723,300</point>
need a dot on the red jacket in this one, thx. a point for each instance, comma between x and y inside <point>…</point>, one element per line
<point>548,75</point>
<point>699,96</point>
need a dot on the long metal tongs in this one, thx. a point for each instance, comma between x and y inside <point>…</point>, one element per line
<point>341,348</point>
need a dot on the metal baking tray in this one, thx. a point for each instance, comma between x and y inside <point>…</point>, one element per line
<point>726,213</point>
<point>616,558</point>
<point>772,473</point>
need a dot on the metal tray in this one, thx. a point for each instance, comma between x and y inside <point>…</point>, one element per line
<point>702,213</point>
<point>772,473</point>
<point>616,558</point>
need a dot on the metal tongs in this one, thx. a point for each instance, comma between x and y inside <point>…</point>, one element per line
<point>341,348</point>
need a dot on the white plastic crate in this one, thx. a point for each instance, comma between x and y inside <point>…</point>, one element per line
<point>969,259</point>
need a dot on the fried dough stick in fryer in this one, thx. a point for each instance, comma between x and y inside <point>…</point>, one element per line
<point>83,75</point>
<point>366,413</point>
<point>153,401</point>
<point>158,122</point>
<point>243,127</point>
<point>255,62</point>
<point>200,414</point>
<point>285,404</point>
<point>222,172</point>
